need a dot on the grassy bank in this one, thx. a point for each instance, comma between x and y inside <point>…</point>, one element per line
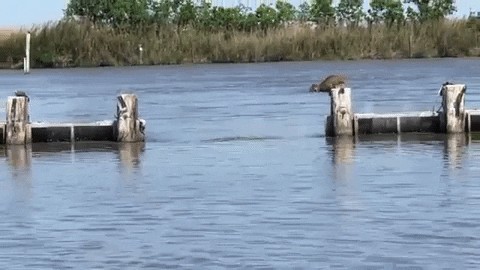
<point>64,44</point>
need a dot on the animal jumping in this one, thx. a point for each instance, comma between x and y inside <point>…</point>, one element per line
<point>330,82</point>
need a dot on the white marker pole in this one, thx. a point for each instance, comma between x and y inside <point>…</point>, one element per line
<point>26,62</point>
<point>140,49</point>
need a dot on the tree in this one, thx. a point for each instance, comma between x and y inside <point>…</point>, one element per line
<point>204,15</point>
<point>227,18</point>
<point>322,11</point>
<point>131,12</point>
<point>430,9</point>
<point>249,22</point>
<point>113,12</point>
<point>161,11</point>
<point>303,13</point>
<point>247,18</point>
<point>387,11</point>
<point>266,16</point>
<point>350,11</point>
<point>186,13</point>
<point>285,11</point>
<point>89,9</point>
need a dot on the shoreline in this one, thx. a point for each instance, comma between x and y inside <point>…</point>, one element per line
<point>4,68</point>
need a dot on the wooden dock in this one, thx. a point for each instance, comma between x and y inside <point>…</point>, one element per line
<point>452,118</point>
<point>18,129</point>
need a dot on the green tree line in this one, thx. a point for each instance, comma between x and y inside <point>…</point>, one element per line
<point>128,14</point>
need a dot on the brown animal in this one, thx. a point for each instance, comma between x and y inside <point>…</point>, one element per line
<point>329,83</point>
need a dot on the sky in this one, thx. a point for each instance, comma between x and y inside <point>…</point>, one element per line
<point>25,13</point>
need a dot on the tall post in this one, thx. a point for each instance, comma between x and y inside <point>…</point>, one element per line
<point>140,52</point>
<point>18,128</point>
<point>452,118</point>
<point>26,60</point>
<point>129,127</point>
<point>340,121</point>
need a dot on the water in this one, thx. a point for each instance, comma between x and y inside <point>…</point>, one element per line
<point>236,172</point>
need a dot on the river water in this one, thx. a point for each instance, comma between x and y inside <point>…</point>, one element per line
<point>236,172</point>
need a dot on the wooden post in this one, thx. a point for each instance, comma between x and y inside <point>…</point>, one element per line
<point>452,118</point>
<point>340,121</point>
<point>129,128</point>
<point>140,52</point>
<point>26,60</point>
<point>18,129</point>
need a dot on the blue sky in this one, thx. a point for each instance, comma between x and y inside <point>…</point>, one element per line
<point>16,13</point>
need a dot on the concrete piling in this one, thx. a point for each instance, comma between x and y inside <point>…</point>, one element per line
<point>341,115</point>
<point>18,128</point>
<point>128,126</point>
<point>452,118</point>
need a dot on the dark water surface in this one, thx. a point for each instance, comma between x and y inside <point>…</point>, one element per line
<point>236,172</point>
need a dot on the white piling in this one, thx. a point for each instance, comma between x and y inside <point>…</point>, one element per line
<point>18,127</point>
<point>129,127</point>
<point>340,121</point>
<point>26,60</point>
<point>452,118</point>
<point>140,52</point>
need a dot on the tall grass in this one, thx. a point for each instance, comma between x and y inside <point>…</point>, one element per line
<point>67,43</point>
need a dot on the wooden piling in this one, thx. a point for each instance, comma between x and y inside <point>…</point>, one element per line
<point>128,126</point>
<point>340,121</point>
<point>18,128</point>
<point>452,117</point>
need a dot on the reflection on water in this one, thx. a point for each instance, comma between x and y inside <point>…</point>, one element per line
<point>19,157</point>
<point>130,154</point>
<point>342,154</point>
<point>342,149</point>
<point>454,149</point>
<point>454,146</point>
